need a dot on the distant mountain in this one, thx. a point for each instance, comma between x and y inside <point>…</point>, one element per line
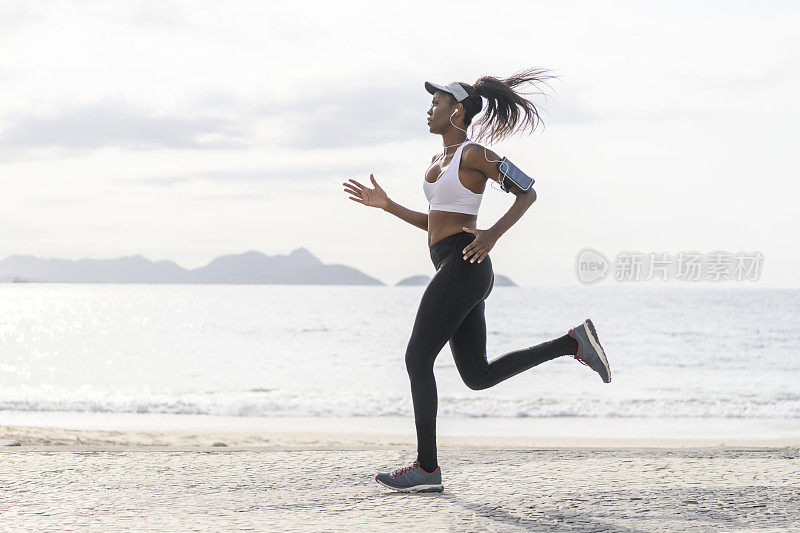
<point>499,281</point>
<point>132,269</point>
<point>415,280</point>
<point>299,267</point>
<point>256,267</point>
<point>503,281</point>
<point>15,279</point>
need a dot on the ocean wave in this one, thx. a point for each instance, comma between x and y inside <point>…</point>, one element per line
<point>278,403</point>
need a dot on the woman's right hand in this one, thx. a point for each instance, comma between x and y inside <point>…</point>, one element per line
<point>370,197</point>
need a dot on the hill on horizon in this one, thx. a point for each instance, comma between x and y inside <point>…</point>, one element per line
<point>300,267</point>
<point>422,279</point>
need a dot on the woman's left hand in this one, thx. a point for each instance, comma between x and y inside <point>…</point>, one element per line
<point>480,247</point>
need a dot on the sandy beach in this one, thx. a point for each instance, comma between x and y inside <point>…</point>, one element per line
<point>104,480</point>
<point>59,436</point>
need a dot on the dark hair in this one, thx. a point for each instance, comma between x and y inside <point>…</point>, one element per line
<point>502,117</point>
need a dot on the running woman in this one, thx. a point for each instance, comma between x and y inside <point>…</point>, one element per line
<point>452,306</point>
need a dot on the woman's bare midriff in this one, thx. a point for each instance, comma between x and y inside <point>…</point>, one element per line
<point>442,224</point>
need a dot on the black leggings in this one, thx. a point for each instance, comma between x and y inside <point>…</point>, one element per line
<point>451,310</point>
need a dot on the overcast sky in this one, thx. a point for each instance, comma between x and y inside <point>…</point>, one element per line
<point>188,130</point>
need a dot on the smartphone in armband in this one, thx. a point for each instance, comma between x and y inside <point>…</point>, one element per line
<point>512,176</point>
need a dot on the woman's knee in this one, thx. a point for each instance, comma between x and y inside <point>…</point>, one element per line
<point>418,360</point>
<point>476,382</point>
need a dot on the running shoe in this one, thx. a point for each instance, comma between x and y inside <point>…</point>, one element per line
<point>590,353</point>
<point>412,479</point>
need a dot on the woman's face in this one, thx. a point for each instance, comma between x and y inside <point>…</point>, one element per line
<point>439,113</point>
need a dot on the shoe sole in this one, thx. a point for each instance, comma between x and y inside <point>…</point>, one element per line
<point>592,334</point>
<point>417,488</point>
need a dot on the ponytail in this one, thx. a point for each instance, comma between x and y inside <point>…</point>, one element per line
<point>506,111</point>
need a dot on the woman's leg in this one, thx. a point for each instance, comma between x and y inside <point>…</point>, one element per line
<point>450,295</point>
<point>468,345</point>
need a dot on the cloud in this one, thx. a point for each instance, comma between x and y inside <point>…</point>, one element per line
<point>760,79</point>
<point>338,118</point>
<point>56,201</point>
<point>370,115</point>
<point>121,125</point>
<point>296,174</point>
<point>575,114</point>
<point>366,115</point>
<point>561,112</point>
<point>17,15</point>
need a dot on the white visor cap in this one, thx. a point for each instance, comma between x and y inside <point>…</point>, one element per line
<point>453,88</point>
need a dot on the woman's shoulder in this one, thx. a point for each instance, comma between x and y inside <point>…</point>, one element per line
<point>479,155</point>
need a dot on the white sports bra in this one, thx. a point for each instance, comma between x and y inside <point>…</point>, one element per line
<point>447,193</point>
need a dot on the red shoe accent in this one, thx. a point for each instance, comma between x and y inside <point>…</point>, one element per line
<point>400,471</point>
<point>579,349</point>
<point>415,464</point>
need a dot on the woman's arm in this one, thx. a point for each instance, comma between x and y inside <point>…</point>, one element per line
<point>485,161</point>
<point>415,218</point>
<point>521,204</point>
<point>377,197</point>
<point>485,239</point>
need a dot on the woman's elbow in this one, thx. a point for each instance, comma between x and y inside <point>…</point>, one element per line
<point>529,196</point>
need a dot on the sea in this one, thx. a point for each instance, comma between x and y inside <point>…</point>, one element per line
<point>686,362</point>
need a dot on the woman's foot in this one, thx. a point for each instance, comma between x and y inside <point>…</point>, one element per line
<point>590,353</point>
<point>412,479</point>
